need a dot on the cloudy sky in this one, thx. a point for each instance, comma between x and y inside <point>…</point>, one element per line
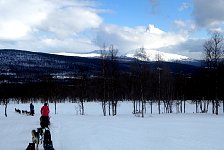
<point>53,26</point>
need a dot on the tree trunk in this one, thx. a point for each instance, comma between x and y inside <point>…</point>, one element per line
<point>184,105</point>
<point>134,112</point>
<point>213,106</point>
<point>151,107</point>
<point>104,107</point>
<point>6,104</point>
<point>139,105</point>
<point>196,106</point>
<point>109,108</point>
<point>55,107</point>
<point>181,106</point>
<point>142,98</point>
<point>207,105</point>
<point>104,94</point>
<point>223,106</point>
<point>116,108</point>
<point>159,106</point>
<point>82,104</point>
<point>145,106</point>
<point>217,106</point>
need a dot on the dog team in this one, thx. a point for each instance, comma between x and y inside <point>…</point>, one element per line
<point>31,112</point>
<point>41,135</point>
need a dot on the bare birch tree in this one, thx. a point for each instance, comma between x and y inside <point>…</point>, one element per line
<point>213,51</point>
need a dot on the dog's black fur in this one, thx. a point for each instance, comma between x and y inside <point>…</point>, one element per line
<point>18,111</point>
<point>27,112</point>
<point>23,112</point>
<point>31,146</point>
<point>41,136</point>
<point>36,137</point>
<point>40,130</point>
<point>48,144</point>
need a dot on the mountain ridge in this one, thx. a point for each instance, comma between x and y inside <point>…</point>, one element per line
<point>26,64</point>
<point>150,54</point>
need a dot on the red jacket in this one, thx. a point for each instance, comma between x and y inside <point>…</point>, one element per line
<point>45,111</point>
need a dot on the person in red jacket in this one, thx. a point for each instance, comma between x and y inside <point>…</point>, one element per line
<point>44,119</point>
<point>45,110</point>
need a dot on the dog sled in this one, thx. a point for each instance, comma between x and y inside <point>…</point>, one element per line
<point>41,136</point>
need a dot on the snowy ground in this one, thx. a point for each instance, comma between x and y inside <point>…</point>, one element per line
<point>93,131</point>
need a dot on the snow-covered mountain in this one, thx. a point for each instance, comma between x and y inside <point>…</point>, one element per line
<point>95,53</point>
<point>154,55</point>
<point>25,66</point>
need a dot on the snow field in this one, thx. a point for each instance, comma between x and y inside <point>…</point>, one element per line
<point>94,131</point>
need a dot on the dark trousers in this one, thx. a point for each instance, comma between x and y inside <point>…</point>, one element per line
<point>44,121</point>
<point>32,112</point>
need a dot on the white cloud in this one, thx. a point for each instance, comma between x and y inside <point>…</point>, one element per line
<point>191,48</point>
<point>13,30</point>
<point>217,29</point>
<point>185,26</point>
<point>125,38</point>
<point>70,18</point>
<point>51,45</point>
<point>71,25</point>
<point>48,25</point>
<point>180,23</point>
<point>19,19</point>
<point>184,6</point>
<point>209,14</point>
<point>68,45</point>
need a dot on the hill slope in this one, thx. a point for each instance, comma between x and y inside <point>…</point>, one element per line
<point>31,64</point>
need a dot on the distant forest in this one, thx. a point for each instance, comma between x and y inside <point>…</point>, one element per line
<point>142,84</point>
